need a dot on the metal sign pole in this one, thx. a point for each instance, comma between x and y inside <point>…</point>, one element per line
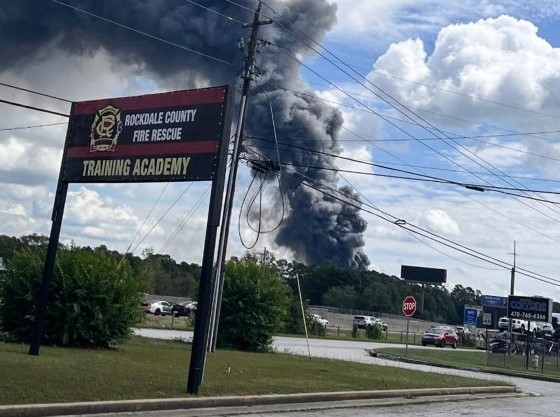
<point>41,314</point>
<point>406,345</point>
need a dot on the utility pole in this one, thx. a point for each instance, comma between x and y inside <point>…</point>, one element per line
<point>511,292</point>
<point>512,285</point>
<point>230,190</point>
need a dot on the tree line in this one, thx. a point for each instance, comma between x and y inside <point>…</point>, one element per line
<point>324,284</point>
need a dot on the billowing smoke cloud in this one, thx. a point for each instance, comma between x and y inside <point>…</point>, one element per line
<point>319,225</point>
<point>316,226</point>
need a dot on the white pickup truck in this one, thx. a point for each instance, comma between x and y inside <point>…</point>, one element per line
<point>516,325</point>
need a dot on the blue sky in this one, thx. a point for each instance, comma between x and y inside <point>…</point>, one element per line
<point>469,68</point>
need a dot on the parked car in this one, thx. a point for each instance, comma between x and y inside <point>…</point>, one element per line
<point>498,346</point>
<point>363,321</point>
<point>462,330</point>
<point>320,320</point>
<point>516,325</point>
<point>383,325</point>
<point>185,309</point>
<point>158,308</point>
<point>544,329</point>
<point>440,336</point>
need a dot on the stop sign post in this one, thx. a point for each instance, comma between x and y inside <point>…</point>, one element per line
<point>408,309</point>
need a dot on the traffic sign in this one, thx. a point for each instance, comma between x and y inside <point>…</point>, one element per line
<point>469,316</point>
<point>409,306</point>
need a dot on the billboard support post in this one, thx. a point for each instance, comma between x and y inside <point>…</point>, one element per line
<point>202,322</point>
<point>422,303</point>
<point>44,289</point>
<point>56,218</point>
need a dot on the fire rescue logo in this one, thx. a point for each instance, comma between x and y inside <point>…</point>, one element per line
<point>105,129</point>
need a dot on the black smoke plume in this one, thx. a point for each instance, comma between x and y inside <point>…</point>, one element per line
<point>317,226</point>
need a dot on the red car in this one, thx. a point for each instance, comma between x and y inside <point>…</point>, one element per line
<point>440,336</point>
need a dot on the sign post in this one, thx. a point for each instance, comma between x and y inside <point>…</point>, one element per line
<point>408,309</point>
<point>486,322</point>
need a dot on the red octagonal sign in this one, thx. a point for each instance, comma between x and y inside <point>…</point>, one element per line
<point>409,306</point>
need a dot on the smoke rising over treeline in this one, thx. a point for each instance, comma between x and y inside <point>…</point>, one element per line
<point>316,226</point>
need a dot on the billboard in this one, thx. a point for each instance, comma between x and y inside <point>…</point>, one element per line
<point>493,301</point>
<point>530,308</point>
<point>157,137</point>
<point>423,275</point>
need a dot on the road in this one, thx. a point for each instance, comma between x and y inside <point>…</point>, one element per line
<point>545,403</point>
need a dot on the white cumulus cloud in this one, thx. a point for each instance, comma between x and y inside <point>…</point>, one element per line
<point>438,221</point>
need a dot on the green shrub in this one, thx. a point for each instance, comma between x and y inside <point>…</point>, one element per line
<point>468,340</point>
<point>254,306</point>
<point>374,331</point>
<point>315,328</point>
<point>294,319</point>
<point>92,303</point>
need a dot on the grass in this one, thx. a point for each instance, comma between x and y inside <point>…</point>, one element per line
<point>146,368</point>
<point>514,364</point>
<point>167,322</point>
<point>475,358</point>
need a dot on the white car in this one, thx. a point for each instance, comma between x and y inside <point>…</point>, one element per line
<point>158,308</point>
<point>318,319</point>
<point>364,321</point>
<point>361,322</point>
<point>516,325</point>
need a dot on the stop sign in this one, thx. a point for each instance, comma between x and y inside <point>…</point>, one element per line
<point>409,306</point>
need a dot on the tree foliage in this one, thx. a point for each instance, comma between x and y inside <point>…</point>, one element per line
<point>93,302</point>
<point>326,284</point>
<point>255,306</point>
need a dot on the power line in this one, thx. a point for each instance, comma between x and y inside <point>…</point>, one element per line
<point>459,171</point>
<point>32,126</point>
<point>35,92</point>
<point>432,236</point>
<point>216,12</point>
<point>142,33</point>
<point>162,216</point>
<point>408,114</point>
<point>447,116</point>
<point>424,177</point>
<point>12,103</point>
<point>184,221</point>
<point>144,221</point>
<point>460,192</point>
<point>446,90</point>
<point>470,96</point>
<point>397,105</point>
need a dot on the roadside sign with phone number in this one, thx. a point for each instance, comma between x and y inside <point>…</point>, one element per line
<point>529,316</point>
<point>530,308</point>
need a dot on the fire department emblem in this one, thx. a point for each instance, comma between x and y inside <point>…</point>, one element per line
<point>105,129</point>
